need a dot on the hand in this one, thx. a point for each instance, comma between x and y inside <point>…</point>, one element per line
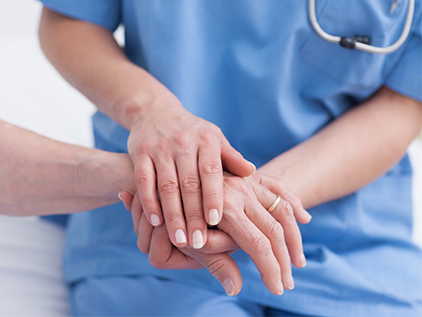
<point>252,228</point>
<point>164,255</point>
<point>278,187</point>
<point>183,156</point>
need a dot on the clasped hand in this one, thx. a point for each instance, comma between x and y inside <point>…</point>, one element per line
<point>179,161</point>
<point>271,240</point>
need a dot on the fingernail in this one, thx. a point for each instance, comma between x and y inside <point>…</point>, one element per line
<point>280,289</point>
<point>290,283</point>
<point>119,195</point>
<point>155,220</point>
<point>253,165</point>
<point>213,217</point>
<point>180,236</point>
<point>302,260</point>
<point>229,287</point>
<point>198,239</point>
<point>309,217</point>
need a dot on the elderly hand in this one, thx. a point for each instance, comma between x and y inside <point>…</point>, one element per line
<point>183,156</point>
<point>251,227</point>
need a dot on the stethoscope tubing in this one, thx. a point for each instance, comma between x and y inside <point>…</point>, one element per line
<point>361,46</point>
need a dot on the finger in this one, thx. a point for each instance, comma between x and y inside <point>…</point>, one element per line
<point>127,199</point>
<point>218,241</point>
<point>145,230</point>
<point>283,214</point>
<point>276,235</point>
<point>276,186</point>
<point>163,255</point>
<point>256,244</point>
<point>234,162</point>
<point>147,189</point>
<point>171,204</point>
<point>190,188</point>
<point>211,172</point>
<point>222,267</point>
<point>137,212</point>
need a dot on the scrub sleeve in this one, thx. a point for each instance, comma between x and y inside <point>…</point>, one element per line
<point>236,64</point>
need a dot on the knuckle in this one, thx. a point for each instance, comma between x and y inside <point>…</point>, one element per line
<point>286,209</point>
<point>182,138</point>
<point>215,266</point>
<point>276,231</point>
<point>162,145</point>
<point>212,194</point>
<point>169,186</point>
<point>211,169</point>
<point>261,243</point>
<point>142,179</point>
<point>194,217</point>
<point>173,218</point>
<point>190,183</point>
<point>207,136</point>
<point>148,203</point>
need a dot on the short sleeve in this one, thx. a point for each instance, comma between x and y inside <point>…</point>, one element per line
<point>105,13</point>
<point>406,77</point>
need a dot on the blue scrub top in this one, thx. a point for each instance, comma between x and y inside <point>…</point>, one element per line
<point>259,71</point>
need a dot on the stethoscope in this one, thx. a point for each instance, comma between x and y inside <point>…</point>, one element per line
<point>363,42</point>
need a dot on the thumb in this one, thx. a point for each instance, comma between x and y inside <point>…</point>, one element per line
<point>234,162</point>
<point>127,199</point>
<point>222,267</point>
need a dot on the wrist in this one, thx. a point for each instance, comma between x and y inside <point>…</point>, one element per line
<point>103,175</point>
<point>134,108</point>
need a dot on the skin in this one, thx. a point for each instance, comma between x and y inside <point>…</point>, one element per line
<point>40,176</point>
<point>181,153</point>
<point>348,154</point>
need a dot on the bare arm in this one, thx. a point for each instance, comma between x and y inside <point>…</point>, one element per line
<point>351,152</point>
<point>40,176</point>
<point>181,153</point>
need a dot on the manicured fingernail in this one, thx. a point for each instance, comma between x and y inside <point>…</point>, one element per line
<point>280,288</point>
<point>213,216</point>
<point>198,239</point>
<point>229,287</point>
<point>120,196</point>
<point>302,260</point>
<point>155,220</point>
<point>253,165</point>
<point>308,216</point>
<point>180,236</point>
<point>290,283</point>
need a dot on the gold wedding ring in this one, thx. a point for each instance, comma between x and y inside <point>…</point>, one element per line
<point>275,204</point>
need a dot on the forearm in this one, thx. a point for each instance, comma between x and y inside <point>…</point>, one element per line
<point>89,58</point>
<point>40,176</point>
<point>351,152</point>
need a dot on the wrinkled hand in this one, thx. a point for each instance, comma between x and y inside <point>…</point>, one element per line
<point>184,157</point>
<point>251,227</point>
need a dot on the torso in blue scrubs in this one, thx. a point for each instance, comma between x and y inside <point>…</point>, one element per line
<point>259,71</point>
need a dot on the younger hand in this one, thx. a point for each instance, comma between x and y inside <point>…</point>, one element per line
<point>182,156</point>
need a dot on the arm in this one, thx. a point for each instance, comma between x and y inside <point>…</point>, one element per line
<point>351,152</point>
<point>346,155</point>
<point>168,145</point>
<point>40,176</point>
